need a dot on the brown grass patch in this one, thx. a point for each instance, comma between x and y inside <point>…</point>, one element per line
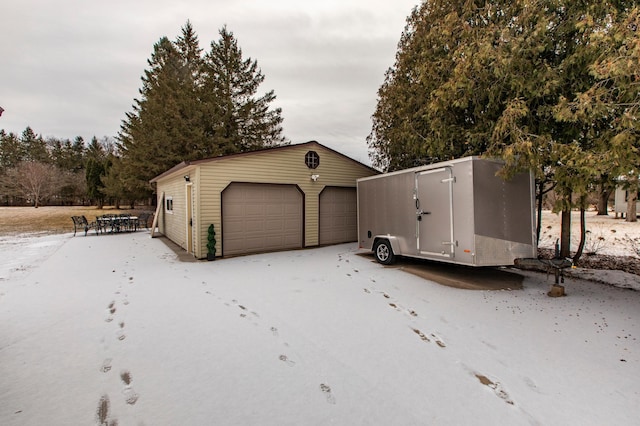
<point>49,220</point>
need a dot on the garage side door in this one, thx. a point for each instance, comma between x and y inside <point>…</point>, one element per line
<point>338,215</point>
<point>260,218</point>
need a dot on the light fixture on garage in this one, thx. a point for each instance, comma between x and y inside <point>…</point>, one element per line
<point>187,178</point>
<point>315,177</point>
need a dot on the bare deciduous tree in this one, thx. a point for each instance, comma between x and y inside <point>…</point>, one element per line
<point>33,180</point>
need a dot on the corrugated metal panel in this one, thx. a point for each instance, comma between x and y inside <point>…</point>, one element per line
<point>261,217</point>
<point>338,215</point>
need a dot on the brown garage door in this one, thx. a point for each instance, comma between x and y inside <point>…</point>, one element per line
<point>260,218</point>
<point>338,215</point>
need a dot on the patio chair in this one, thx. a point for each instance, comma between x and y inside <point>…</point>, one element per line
<point>81,222</point>
<point>125,223</point>
<point>106,223</point>
<point>143,220</point>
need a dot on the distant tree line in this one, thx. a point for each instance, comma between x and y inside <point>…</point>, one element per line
<point>551,86</point>
<point>191,106</point>
<point>36,171</point>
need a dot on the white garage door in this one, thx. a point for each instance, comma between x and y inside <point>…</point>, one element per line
<point>260,218</point>
<point>338,215</point>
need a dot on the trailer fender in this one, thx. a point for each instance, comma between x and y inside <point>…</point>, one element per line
<point>388,247</point>
<point>395,244</point>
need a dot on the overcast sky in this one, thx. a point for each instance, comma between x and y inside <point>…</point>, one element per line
<point>73,67</point>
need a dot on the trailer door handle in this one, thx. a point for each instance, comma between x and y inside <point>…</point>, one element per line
<point>423,212</point>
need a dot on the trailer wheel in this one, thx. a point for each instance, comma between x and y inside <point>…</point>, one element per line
<point>383,252</point>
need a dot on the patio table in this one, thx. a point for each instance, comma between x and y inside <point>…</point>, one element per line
<point>113,223</point>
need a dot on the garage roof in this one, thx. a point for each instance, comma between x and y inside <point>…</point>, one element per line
<point>186,164</point>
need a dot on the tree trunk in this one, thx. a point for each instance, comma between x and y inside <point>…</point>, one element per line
<point>631,205</point>
<point>632,198</point>
<point>565,233</point>
<point>583,229</point>
<point>603,201</point>
<point>540,195</point>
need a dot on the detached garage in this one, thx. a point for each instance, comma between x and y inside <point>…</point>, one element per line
<point>281,198</point>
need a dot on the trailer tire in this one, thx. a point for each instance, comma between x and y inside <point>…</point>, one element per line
<point>384,252</point>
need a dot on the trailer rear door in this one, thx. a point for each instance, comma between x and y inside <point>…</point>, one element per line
<point>434,212</point>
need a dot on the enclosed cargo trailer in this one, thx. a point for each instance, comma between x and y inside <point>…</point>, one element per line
<point>456,211</point>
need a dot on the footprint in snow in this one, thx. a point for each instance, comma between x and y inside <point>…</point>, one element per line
<point>286,360</point>
<point>130,396</point>
<point>126,377</point>
<point>496,386</point>
<point>102,412</point>
<point>326,389</point>
<point>106,365</point>
<point>421,334</point>
<point>438,341</point>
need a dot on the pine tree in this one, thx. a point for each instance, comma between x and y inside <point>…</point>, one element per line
<point>11,151</point>
<point>189,101</point>
<point>66,155</point>
<point>613,98</point>
<point>35,148</point>
<point>438,101</point>
<point>150,139</point>
<point>191,107</point>
<point>474,77</point>
<point>95,171</point>
<point>237,120</point>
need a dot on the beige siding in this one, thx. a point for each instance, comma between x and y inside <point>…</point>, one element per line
<point>278,166</point>
<point>174,225</point>
<point>208,209</point>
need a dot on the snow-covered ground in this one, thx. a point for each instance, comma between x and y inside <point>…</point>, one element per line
<point>605,234</point>
<point>115,329</point>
